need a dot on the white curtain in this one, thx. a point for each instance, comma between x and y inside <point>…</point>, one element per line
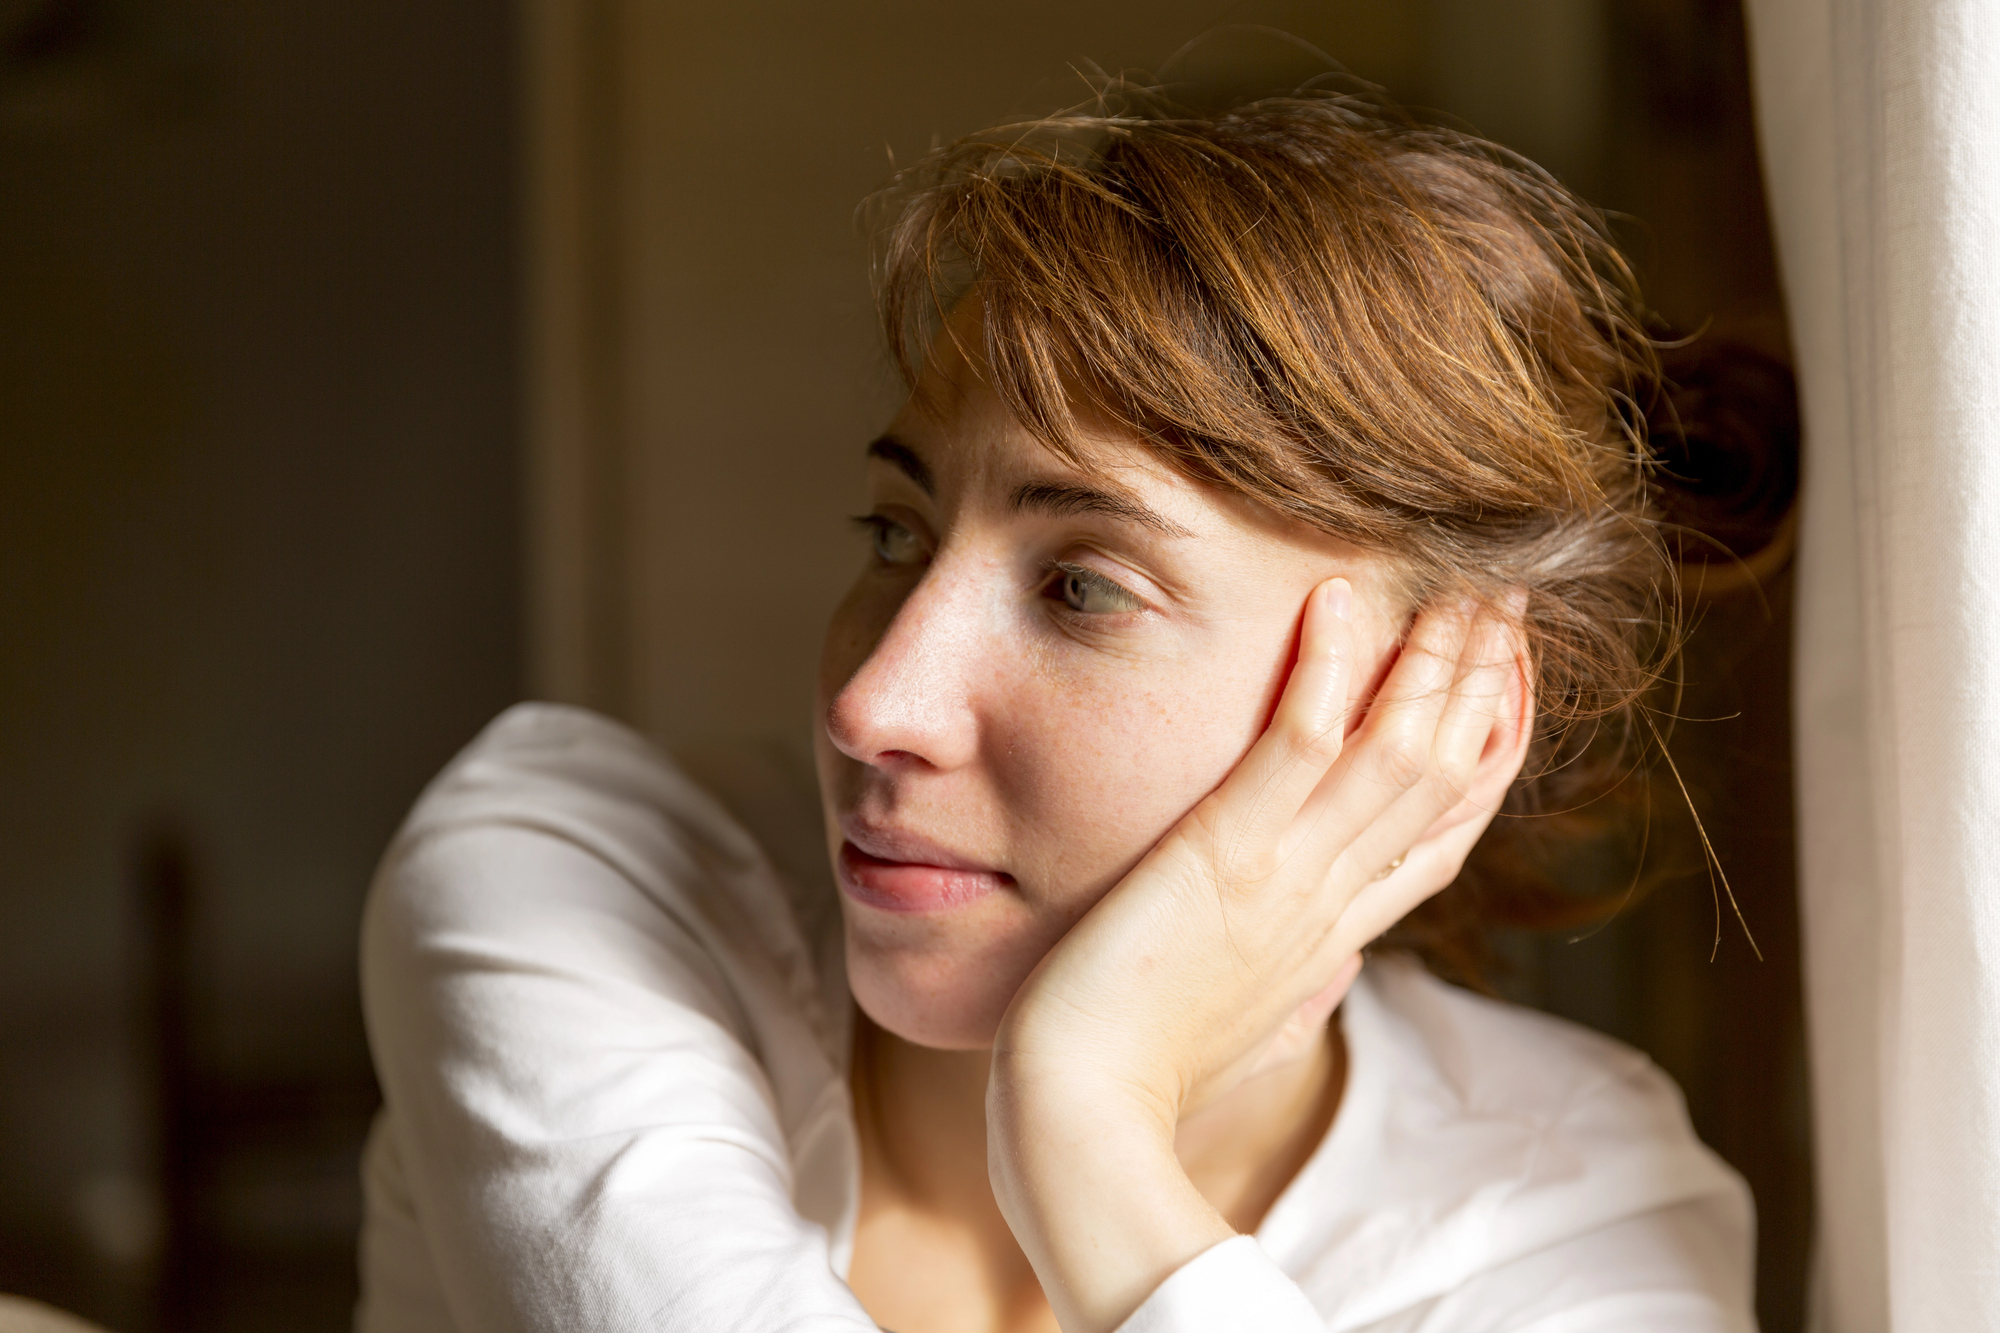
<point>1880,128</point>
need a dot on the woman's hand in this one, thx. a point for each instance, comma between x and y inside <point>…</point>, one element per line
<point>1250,913</point>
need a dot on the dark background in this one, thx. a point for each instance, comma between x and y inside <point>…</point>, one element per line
<point>261,572</point>
<point>259,576</point>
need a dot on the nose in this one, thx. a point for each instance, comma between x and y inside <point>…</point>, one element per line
<point>912,702</point>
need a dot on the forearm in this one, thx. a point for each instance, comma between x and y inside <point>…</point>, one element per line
<point>581,1139</point>
<point>1089,1182</point>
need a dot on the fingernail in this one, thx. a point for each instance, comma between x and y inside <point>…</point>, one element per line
<point>1340,599</point>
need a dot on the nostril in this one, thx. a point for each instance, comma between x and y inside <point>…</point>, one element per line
<point>867,726</point>
<point>864,732</point>
<point>843,730</point>
<point>907,703</point>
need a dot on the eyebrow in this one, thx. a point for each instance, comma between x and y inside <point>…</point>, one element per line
<point>903,458</point>
<point>1046,497</point>
<point>1062,497</point>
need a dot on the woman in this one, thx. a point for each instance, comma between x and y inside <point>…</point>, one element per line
<point>1270,497</point>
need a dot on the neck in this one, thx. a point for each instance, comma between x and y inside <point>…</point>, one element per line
<point>922,1118</point>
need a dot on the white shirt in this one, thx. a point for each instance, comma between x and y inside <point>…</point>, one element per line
<point>612,1043</point>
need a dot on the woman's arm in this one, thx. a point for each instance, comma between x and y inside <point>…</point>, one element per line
<point>575,1092</point>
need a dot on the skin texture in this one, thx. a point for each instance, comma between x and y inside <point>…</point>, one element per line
<point>1095,924</point>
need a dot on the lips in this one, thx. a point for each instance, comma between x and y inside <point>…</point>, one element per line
<point>893,871</point>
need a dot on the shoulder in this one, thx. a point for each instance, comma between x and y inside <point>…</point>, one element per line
<point>1476,1135</point>
<point>1479,1057</point>
<point>583,986</point>
<point>557,828</point>
<point>578,775</point>
<point>1592,1128</point>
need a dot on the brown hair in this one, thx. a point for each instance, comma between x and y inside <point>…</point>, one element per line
<point>1397,333</point>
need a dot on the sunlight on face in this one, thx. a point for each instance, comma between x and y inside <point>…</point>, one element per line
<point>1037,673</point>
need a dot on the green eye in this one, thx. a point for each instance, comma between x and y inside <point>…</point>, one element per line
<point>892,543</point>
<point>1089,593</point>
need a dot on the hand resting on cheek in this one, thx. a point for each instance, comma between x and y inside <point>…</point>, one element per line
<point>1226,948</point>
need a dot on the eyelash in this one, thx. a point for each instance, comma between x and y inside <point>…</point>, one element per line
<point>878,527</point>
<point>1094,580</point>
<point>1057,573</point>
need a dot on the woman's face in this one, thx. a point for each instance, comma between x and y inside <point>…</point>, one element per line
<point>1037,674</point>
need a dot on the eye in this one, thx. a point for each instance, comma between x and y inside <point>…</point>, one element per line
<point>892,543</point>
<point>1089,593</point>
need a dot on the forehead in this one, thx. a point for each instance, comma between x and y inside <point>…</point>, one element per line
<point>960,446</point>
<point>957,413</point>
<point>956,441</point>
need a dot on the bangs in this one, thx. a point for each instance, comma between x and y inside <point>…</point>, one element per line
<point>1266,300</point>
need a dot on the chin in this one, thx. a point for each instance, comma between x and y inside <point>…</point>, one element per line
<point>946,1000</point>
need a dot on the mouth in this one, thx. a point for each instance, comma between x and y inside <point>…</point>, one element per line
<point>896,872</point>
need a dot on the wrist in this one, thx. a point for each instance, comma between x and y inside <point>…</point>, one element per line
<point>1046,1069</point>
<point>1034,1089</point>
<point>1044,1122</point>
<point>1084,1170</point>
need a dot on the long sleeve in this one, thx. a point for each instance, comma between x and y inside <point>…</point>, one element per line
<point>1225,1288</point>
<point>1494,1170</point>
<point>581,1108</point>
<point>1669,1270</point>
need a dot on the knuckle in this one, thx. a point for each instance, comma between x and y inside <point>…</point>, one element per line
<point>1248,877</point>
<point>1217,853</point>
<point>1456,769</point>
<point>1403,754</point>
<point>1318,745</point>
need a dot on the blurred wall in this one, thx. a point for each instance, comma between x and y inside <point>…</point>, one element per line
<point>258,564</point>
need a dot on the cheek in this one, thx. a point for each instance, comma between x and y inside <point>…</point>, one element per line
<point>1100,761</point>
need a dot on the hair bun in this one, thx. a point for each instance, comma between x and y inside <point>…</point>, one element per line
<point>1725,431</point>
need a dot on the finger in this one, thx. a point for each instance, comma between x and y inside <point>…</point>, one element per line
<point>1397,743</point>
<point>1317,1009</point>
<point>1262,796</point>
<point>1394,748</point>
<point>1306,1026</point>
<point>1481,705</point>
<point>1381,903</point>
